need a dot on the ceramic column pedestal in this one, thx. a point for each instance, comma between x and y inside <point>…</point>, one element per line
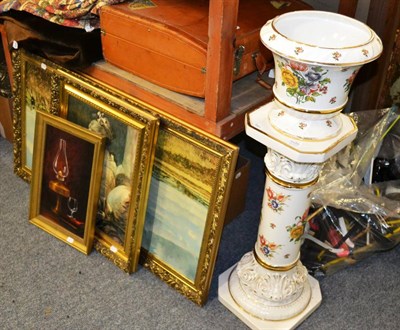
<point>269,287</point>
<point>272,275</point>
<point>317,57</point>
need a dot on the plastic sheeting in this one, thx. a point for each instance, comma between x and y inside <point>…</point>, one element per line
<point>351,218</point>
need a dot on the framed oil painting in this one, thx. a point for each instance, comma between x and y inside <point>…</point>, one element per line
<point>193,166</point>
<point>190,187</point>
<point>35,88</point>
<point>130,135</point>
<point>67,166</point>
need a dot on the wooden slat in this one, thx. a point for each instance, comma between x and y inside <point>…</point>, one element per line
<point>221,29</point>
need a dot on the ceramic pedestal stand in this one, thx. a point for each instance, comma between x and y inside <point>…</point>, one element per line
<point>317,56</point>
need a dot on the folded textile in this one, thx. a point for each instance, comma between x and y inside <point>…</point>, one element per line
<point>82,14</point>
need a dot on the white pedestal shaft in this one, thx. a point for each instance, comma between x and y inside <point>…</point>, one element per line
<point>270,282</point>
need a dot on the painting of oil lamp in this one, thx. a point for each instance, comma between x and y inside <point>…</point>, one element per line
<point>61,170</point>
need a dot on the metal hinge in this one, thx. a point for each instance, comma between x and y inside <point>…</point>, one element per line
<point>238,59</point>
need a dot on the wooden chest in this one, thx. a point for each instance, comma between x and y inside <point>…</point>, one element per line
<point>165,41</point>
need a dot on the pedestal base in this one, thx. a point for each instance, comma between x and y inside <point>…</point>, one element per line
<point>224,296</point>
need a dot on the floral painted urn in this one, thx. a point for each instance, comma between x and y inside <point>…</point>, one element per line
<point>317,57</point>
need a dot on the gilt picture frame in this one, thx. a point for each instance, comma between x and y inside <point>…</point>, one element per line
<point>158,129</point>
<point>130,134</point>
<point>66,174</point>
<point>35,88</point>
<point>190,188</point>
<point>219,157</point>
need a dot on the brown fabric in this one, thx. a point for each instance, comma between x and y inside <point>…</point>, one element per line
<point>5,86</point>
<point>70,47</point>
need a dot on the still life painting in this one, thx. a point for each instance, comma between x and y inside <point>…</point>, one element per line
<point>67,171</point>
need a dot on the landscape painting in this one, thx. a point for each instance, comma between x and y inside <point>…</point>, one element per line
<point>185,214</point>
<point>180,192</point>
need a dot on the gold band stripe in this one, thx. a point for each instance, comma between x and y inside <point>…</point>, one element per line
<point>274,268</point>
<point>290,184</point>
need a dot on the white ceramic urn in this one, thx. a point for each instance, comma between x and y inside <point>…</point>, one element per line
<point>317,57</point>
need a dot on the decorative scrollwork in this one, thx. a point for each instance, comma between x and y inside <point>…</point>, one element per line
<point>167,276</point>
<point>273,286</point>
<point>290,171</point>
<point>111,256</point>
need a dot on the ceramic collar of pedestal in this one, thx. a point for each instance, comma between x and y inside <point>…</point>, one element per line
<point>258,127</point>
<point>321,37</point>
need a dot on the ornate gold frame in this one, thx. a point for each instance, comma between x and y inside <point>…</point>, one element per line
<point>27,71</point>
<point>217,180</point>
<point>221,175</point>
<point>143,126</point>
<point>54,220</point>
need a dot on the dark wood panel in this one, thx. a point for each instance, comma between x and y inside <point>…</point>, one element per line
<point>384,19</point>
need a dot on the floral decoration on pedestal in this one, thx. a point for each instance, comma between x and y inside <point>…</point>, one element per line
<point>297,229</point>
<point>276,202</point>
<point>268,248</point>
<point>303,82</point>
